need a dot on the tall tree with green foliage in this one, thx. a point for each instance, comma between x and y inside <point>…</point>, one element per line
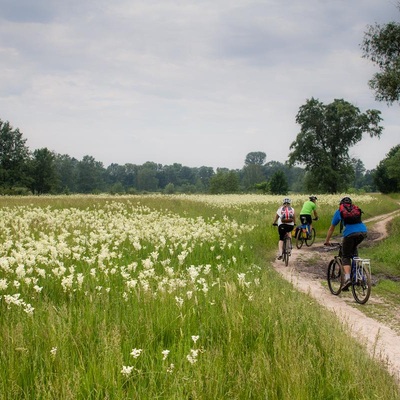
<point>387,173</point>
<point>381,45</point>
<point>14,157</point>
<point>90,175</point>
<point>326,135</point>
<point>224,181</point>
<point>253,170</point>
<point>147,177</point>
<point>67,171</point>
<point>278,183</point>
<point>43,171</point>
<point>255,158</point>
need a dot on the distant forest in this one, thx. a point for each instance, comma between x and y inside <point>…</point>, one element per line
<point>43,171</point>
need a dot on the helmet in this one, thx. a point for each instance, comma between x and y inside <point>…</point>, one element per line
<point>286,200</point>
<point>312,197</point>
<point>346,200</point>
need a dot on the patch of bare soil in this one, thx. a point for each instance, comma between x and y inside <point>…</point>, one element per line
<point>307,272</point>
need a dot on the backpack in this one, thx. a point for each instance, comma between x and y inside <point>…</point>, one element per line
<point>350,213</point>
<point>287,214</point>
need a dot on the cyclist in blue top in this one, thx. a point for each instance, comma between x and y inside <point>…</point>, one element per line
<point>353,235</point>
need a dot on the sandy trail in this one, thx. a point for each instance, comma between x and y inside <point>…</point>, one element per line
<point>380,340</point>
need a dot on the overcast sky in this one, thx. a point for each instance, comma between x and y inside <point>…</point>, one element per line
<point>195,82</point>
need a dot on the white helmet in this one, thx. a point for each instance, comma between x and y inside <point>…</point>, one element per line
<point>286,200</point>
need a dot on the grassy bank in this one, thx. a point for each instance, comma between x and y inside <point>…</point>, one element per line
<point>168,297</point>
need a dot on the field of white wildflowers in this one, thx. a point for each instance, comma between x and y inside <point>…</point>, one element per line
<point>115,298</point>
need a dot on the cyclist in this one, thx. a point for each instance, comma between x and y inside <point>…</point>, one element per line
<point>309,208</point>
<point>354,233</point>
<point>285,218</point>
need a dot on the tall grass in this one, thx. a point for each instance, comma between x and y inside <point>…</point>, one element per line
<point>164,297</point>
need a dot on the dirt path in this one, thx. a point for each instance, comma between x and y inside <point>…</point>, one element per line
<point>307,273</point>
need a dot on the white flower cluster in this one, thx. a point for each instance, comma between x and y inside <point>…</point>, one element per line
<point>70,251</point>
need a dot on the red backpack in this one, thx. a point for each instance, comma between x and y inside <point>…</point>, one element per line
<point>350,213</point>
<point>287,214</point>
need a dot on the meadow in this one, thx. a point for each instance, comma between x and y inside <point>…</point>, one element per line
<point>167,297</point>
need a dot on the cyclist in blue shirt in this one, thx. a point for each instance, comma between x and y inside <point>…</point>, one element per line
<point>354,233</point>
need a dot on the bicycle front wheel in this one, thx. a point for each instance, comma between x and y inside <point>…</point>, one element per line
<point>335,277</point>
<point>299,239</point>
<point>311,239</point>
<point>362,287</point>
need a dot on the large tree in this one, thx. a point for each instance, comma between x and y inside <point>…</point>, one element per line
<point>381,45</point>
<point>43,171</point>
<point>327,133</point>
<point>90,175</point>
<point>14,157</point>
<point>255,158</point>
<point>278,183</point>
<point>387,173</point>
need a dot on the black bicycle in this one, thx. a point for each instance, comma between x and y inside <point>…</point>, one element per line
<point>305,234</point>
<point>287,247</point>
<point>360,276</point>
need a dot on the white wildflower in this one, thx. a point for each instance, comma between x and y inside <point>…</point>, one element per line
<point>3,284</point>
<point>126,370</point>
<point>165,354</point>
<point>179,301</point>
<point>136,352</point>
<point>192,356</point>
<point>170,369</point>
<point>37,288</point>
<point>195,338</point>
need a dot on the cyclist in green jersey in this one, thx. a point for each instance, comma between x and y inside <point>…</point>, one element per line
<point>309,208</point>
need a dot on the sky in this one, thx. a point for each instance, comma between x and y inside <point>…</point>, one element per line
<point>195,82</point>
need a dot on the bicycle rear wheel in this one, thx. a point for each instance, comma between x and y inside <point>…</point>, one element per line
<point>299,239</point>
<point>311,239</point>
<point>335,277</point>
<point>286,250</point>
<point>362,287</point>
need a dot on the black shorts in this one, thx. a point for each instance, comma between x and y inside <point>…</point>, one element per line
<point>283,229</point>
<point>349,246</point>
<point>306,219</point>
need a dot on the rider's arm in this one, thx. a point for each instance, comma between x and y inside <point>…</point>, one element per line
<point>329,234</point>
<point>315,214</point>
<point>335,221</point>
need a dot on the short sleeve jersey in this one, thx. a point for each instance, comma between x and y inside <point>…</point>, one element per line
<point>308,207</point>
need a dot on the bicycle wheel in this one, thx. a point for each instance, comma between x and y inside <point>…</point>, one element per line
<point>311,239</point>
<point>362,287</point>
<point>299,239</point>
<point>286,250</point>
<point>335,277</point>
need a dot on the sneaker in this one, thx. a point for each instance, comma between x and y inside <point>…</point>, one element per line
<point>346,285</point>
<point>279,258</point>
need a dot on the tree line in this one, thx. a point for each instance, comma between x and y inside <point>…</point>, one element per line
<point>45,172</point>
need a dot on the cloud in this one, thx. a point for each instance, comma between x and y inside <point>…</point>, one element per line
<point>194,82</point>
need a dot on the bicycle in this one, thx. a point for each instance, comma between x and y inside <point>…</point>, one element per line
<point>305,235</point>
<point>287,247</point>
<point>360,276</point>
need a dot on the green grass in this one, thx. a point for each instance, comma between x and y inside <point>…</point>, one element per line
<point>233,328</point>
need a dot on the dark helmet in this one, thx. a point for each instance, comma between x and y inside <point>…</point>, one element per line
<point>312,197</point>
<point>346,200</point>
